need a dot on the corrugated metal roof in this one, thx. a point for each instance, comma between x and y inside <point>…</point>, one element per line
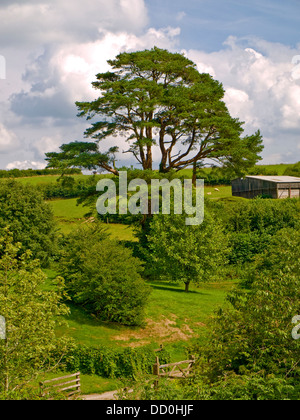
<point>277,179</point>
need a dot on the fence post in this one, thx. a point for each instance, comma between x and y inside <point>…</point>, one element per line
<point>156,372</point>
<point>41,389</point>
<point>78,382</point>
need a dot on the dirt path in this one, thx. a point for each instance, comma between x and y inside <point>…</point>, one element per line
<point>94,397</point>
<point>106,396</point>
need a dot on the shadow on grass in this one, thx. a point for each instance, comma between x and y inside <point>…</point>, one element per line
<point>172,288</point>
<point>83,317</point>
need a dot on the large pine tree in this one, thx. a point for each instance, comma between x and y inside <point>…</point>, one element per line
<point>158,99</point>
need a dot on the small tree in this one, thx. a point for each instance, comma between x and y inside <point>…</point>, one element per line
<point>181,253</point>
<point>104,277</point>
<point>31,316</point>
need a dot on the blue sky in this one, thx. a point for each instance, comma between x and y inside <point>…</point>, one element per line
<point>54,48</point>
<point>205,24</point>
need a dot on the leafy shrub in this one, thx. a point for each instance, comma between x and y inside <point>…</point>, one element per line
<point>69,187</point>
<point>262,216</point>
<point>250,387</point>
<point>244,246</point>
<point>254,335</point>
<point>29,218</point>
<point>111,362</point>
<point>251,224</point>
<point>104,277</point>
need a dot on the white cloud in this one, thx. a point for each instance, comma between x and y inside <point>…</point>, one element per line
<point>8,140</point>
<point>26,164</point>
<point>63,45</point>
<point>48,144</point>
<point>78,64</point>
<point>59,77</point>
<point>275,159</point>
<point>238,102</point>
<point>35,22</point>
<point>260,90</point>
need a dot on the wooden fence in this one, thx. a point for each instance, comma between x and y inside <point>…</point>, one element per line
<point>70,383</point>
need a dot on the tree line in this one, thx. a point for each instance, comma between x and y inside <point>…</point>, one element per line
<point>25,173</point>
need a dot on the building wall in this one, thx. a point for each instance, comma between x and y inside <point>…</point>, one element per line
<point>288,192</point>
<point>252,187</point>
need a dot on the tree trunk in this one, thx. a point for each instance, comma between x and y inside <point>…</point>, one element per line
<point>149,158</point>
<point>187,285</point>
<point>194,179</point>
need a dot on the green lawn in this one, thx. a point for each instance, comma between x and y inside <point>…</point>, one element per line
<point>68,210</point>
<point>222,191</point>
<point>276,169</point>
<point>173,318</point>
<point>44,179</point>
<point>70,216</point>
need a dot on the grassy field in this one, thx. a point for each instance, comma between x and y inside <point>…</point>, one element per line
<point>272,169</point>
<point>172,315</point>
<point>276,169</point>
<point>173,318</point>
<point>44,179</point>
<point>69,216</point>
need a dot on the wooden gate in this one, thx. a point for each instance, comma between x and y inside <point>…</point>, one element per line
<point>70,383</point>
<point>177,370</point>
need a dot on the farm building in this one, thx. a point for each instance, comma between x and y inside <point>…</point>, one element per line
<point>272,186</point>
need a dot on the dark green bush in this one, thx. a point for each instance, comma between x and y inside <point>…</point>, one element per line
<point>251,224</point>
<point>69,187</point>
<point>104,277</point>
